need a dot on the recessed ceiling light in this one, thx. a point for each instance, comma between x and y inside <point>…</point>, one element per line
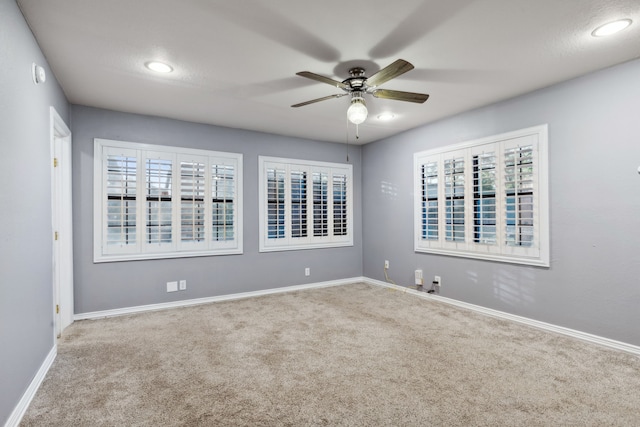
<point>158,67</point>
<point>611,28</point>
<point>386,116</point>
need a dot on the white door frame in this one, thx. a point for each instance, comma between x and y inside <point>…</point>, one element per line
<point>61,209</point>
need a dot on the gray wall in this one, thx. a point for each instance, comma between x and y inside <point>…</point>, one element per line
<point>26,288</point>
<point>126,284</point>
<point>593,284</point>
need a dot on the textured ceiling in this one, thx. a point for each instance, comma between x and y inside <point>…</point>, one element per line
<point>235,61</point>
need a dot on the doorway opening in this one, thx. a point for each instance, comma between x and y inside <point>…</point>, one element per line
<point>61,209</point>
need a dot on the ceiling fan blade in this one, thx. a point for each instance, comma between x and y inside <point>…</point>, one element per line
<point>398,95</point>
<point>302,104</point>
<point>389,72</point>
<point>323,79</point>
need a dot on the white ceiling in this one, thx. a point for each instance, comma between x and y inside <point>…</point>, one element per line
<point>235,60</point>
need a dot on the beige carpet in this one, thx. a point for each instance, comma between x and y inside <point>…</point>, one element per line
<point>355,355</point>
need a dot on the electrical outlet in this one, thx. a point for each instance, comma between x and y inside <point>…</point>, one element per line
<point>183,285</point>
<point>172,286</point>
<point>437,281</point>
<point>386,264</point>
<point>307,271</point>
<point>419,278</point>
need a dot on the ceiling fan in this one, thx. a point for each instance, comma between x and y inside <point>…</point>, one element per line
<point>359,84</point>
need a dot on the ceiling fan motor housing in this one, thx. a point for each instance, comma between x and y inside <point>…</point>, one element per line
<point>357,81</point>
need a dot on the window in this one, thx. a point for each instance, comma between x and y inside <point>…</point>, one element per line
<point>485,199</point>
<point>304,204</point>
<point>154,201</point>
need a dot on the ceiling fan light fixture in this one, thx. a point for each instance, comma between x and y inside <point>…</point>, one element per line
<point>611,28</point>
<point>357,112</point>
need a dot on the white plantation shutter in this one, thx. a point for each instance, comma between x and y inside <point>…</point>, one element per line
<point>299,204</point>
<point>320,204</point>
<point>429,209</point>
<point>223,200</point>
<point>193,202</point>
<point>120,201</point>
<point>340,212</point>
<point>158,203</point>
<point>340,217</point>
<point>520,230</point>
<point>454,199</point>
<point>276,202</point>
<point>304,204</point>
<point>165,202</point>
<point>485,199</point>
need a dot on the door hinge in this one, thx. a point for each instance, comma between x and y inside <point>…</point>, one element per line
<point>57,309</point>
<point>55,162</point>
<point>55,235</point>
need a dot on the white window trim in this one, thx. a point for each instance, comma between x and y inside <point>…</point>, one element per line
<point>469,249</point>
<point>289,243</point>
<point>175,249</point>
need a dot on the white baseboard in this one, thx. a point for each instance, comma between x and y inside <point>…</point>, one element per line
<point>27,397</point>
<point>595,339</point>
<point>198,301</point>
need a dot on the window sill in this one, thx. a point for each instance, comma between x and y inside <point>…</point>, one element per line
<point>536,262</point>
<point>306,246</point>
<point>138,257</point>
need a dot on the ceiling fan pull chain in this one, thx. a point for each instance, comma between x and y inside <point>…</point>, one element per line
<point>357,132</point>
<point>347,139</point>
